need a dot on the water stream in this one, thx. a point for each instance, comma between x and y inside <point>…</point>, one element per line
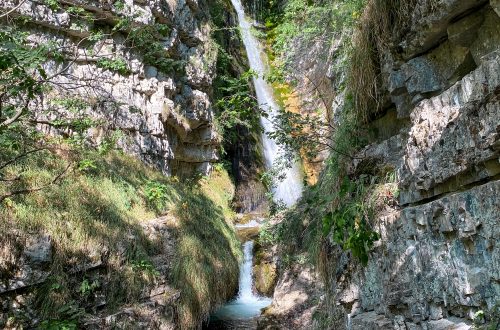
<point>247,304</point>
<point>290,188</point>
<point>243,311</point>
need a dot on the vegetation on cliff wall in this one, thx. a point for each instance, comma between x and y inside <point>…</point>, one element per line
<point>338,206</point>
<point>360,196</point>
<point>237,111</point>
<point>88,201</point>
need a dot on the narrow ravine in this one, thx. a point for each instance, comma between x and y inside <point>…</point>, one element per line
<point>243,311</point>
<point>290,188</point>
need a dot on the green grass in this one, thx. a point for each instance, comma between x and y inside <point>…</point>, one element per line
<point>99,210</point>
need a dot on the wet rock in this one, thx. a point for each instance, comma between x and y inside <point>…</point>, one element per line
<point>265,276</point>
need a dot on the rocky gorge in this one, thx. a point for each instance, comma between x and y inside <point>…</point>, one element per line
<point>165,115</point>
<point>435,264</point>
<point>148,240</point>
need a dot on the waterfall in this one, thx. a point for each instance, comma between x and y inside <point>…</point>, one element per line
<point>289,189</point>
<point>247,304</point>
<point>245,293</point>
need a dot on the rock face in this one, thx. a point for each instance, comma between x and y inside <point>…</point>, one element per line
<point>154,310</point>
<point>294,302</point>
<point>164,115</point>
<point>437,262</point>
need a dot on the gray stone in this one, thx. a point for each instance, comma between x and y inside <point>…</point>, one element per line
<point>437,257</point>
<point>134,103</point>
<point>150,71</point>
<point>464,32</point>
<point>39,250</point>
<point>435,312</point>
<point>441,127</point>
<point>449,324</point>
<point>421,76</point>
<point>488,38</point>
<point>429,22</point>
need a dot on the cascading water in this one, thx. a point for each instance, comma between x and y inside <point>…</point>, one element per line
<point>290,188</point>
<point>241,313</point>
<point>247,304</point>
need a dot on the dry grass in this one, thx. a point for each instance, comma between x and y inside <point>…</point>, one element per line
<point>379,27</point>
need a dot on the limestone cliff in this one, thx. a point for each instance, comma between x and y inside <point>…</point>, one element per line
<point>164,111</point>
<point>436,264</point>
<point>141,71</point>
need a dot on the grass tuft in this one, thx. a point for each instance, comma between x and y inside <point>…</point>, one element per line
<point>96,213</point>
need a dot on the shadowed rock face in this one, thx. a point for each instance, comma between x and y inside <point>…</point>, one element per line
<point>165,116</point>
<point>437,261</point>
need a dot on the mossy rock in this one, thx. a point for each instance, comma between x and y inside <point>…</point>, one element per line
<point>265,278</point>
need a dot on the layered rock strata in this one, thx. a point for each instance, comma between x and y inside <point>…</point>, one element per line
<point>436,265</point>
<point>164,114</point>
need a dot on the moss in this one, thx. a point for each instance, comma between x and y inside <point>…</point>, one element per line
<point>265,278</point>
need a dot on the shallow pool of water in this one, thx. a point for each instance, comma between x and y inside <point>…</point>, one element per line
<point>241,312</point>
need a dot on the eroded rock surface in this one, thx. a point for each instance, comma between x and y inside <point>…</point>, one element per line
<point>165,116</point>
<point>437,262</point>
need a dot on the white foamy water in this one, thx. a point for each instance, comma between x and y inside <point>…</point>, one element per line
<point>250,224</point>
<point>246,304</point>
<point>290,189</point>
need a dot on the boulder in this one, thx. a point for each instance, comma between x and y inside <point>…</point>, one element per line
<point>39,250</point>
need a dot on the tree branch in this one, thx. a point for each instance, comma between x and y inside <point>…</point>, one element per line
<point>12,119</point>
<point>21,156</point>
<point>13,9</point>
<point>31,190</point>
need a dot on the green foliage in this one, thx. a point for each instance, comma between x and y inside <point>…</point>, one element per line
<point>301,133</point>
<point>119,5</point>
<point>208,251</point>
<point>236,106</point>
<point>114,64</point>
<point>237,114</point>
<point>145,266</point>
<point>92,200</point>
<point>53,4</point>
<point>487,320</point>
<point>87,287</point>
<point>69,313</point>
<point>349,222</point>
<point>267,234</point>
<point>86,165</point>
<point>58,325</point>
<point>20,68</point>
<point>72,104</point>
<point>157,194</point>
<point>306,21</point>
<point>76,11</point>
<point>102,209</point>
<point>123,24</point>
<point>337,206</point>
<point>147,39</point>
